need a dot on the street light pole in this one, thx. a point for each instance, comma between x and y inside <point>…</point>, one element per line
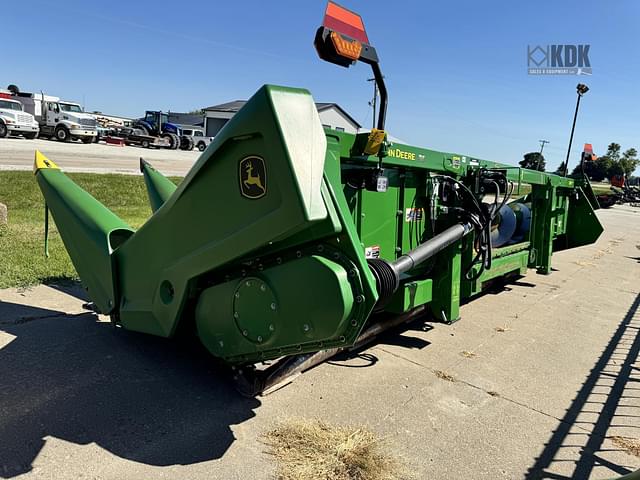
<point>581,88</point>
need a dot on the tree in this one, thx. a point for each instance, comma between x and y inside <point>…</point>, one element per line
<point>613,152</point>
<point>533,161</point>
<point>629,162</point>
<point>597,170</point>
<point>560,169</point>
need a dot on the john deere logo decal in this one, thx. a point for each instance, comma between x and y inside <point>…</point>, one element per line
<point>253,177</point>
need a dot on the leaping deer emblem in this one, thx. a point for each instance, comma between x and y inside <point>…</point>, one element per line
<point>252,177</point>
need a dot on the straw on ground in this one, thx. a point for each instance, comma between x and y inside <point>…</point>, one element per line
<point>315,450</point>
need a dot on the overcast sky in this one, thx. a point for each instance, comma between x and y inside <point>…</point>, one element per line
<point>456,70</point>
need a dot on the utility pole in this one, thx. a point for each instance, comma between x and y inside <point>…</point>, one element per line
<point>375,99</point>
<point>542,142</point>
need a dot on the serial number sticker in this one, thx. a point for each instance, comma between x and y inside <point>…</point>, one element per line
<point>413,214</point>
<point>372,251</point>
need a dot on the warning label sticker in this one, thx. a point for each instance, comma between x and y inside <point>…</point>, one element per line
<point>372,252</point>
<point>413,214</point>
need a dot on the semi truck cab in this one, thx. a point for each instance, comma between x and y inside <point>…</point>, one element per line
<point>15,121</point>
<point>60,119</point>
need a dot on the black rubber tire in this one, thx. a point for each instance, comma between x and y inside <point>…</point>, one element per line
<point>4,131</point>
<point>62,134</point>
<point>186,143</point>
<point>87,140</point>
<point>174,140</point>
<point>145,144</point>
<point>202,146</point>
<point>144,130</point>
<point>30,136</point>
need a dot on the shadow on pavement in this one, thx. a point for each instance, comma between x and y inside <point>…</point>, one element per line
<point>65,285</point>
<point>142,398</point>
<point>613,379</point>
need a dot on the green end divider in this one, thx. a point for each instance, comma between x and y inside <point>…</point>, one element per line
<point>89,230</point>
<point>159,187</point>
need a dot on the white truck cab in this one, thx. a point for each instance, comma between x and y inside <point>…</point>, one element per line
<point>58,118</point>
<point>14,120</point>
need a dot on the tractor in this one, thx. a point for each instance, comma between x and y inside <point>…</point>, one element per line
<point>156,124</point>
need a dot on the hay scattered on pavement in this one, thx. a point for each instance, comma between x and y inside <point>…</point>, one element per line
<point>629,445</point>
<point>584,264</point>
<point>314,450</point>
<point>444,376</point>
<point>468,354</point>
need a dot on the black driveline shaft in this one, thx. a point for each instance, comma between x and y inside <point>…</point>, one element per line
<point>428,249</point>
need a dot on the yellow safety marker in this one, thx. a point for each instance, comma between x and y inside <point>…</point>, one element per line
<point>374,142</point>
<point>43,162</point>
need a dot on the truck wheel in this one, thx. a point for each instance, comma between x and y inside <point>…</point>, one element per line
<point>144,144</point>
<point>186,143</point>
<point>4,131</point>
<point>62,134</point>
<point>202,146</point>
<point>30,136</point>
<point>87,140</point>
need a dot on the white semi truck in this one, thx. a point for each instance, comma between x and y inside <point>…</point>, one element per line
<point>57,118</point>
<point>14,120</point>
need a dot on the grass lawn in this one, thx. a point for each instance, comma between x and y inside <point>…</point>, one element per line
<point>22,259</point>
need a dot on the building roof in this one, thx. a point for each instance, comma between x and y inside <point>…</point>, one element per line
<point>186,118</point>
<point>236,105</point>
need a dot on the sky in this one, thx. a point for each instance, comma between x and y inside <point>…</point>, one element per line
<point>456,71</point>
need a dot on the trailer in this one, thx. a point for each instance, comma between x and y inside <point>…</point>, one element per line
<point>134,136</point>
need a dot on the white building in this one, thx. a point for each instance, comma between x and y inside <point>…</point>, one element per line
<point>331,115</point>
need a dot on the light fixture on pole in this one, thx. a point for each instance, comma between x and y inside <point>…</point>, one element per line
<point>581,88</point>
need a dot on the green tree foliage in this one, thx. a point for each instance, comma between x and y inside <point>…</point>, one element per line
<point>611,163</point>
<point>629,161</point>
<point>560,169</point>
<point>533,161</point>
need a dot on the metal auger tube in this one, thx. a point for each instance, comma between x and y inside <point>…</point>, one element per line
<point>252,382</point>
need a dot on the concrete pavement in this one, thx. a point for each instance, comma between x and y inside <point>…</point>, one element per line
<point>17,154</point>
<point>545,373</point>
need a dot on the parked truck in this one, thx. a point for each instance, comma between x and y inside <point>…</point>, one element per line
<point>65,121</point>
<point>14,120</point>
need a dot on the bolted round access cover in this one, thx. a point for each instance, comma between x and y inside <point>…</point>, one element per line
<point>255,310</point>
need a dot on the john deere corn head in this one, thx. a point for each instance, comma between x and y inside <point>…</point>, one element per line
<point>287,242</point>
